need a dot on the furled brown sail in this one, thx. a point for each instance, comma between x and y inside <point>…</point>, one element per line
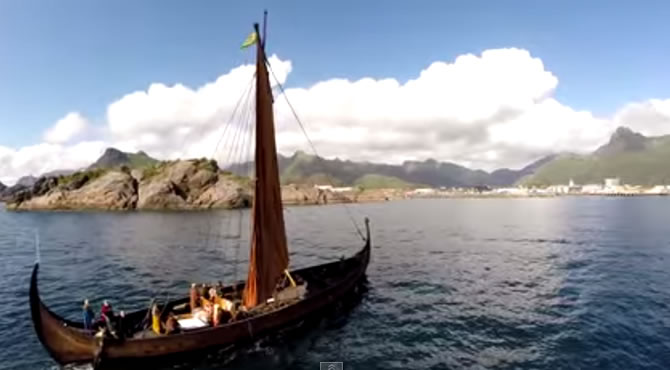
<point>269,253</point>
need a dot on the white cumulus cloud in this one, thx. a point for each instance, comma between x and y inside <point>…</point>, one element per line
<point>496,109</point>
<point>491,110</point>
<point>176,121</point>
<point>651,117</point>
<point>66,129</point>
<point>44,157</point>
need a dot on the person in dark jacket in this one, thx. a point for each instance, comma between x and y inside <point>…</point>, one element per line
<point>89,316</point>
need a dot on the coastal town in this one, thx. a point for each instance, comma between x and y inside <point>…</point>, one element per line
<point>609,187</point>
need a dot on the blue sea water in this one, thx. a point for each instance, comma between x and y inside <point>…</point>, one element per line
<point>560,283</point>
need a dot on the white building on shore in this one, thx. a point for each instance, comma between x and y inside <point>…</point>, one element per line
<point>612,182</point>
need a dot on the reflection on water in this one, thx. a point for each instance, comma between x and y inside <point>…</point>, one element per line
<point>488,283</point>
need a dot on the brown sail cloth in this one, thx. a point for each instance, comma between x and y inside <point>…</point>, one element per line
<point>269,253</point>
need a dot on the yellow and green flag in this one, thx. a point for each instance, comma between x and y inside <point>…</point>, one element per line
<point>251,39</point>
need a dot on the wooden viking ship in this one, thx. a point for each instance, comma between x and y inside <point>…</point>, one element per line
<point>267,309</point>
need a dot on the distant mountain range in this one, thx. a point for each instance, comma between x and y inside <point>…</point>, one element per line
<point>630,156</point>
<point>305,168</point>
<point>302,168</point>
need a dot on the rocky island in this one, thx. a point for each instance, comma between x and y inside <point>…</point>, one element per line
<point>135,181</point>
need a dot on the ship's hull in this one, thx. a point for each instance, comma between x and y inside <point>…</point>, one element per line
<point>67,342</point>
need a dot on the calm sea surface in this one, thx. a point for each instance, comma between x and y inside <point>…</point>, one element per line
<point>566,283</point>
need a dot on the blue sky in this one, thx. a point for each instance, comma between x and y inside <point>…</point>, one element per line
<point>61,56</point>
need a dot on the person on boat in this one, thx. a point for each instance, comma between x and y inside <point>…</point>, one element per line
<point>216,315</point>
<point>205,314</point>
<point>121,329</point>
<point>89,316</point>
<point>195,298</point>
<point>172,325</point>
<point>106,315</point>
<point>106,310</point>
<point>203,291</point>
<point>155,319</point>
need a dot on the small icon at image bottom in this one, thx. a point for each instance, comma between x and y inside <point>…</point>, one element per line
<point>331,365</point>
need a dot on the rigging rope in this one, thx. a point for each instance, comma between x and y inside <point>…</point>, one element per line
<point>295,115</point>
<point>236,150</point>
<point>241,162</point>
<point>229,123</point>
<point>232,128</point>
<point>232,115</point>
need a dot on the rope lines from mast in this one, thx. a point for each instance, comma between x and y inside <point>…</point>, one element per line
<point>235,143</point>
<point>311,144</point>
<point>238,147</point>
<point>241,159</point>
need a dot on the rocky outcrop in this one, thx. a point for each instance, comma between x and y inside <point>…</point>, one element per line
<point>191,184</point>
<point>182,184</point>
<point>113,190</point>
<point>227,192</point>
<point>300,195</point>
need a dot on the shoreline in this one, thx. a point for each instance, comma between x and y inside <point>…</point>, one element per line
<point>330,202</point>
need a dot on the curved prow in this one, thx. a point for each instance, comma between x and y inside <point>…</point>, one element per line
<point>36,303</point>
<point>364,254</point>
<point>62,338</point>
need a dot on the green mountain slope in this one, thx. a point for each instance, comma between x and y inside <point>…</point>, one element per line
<point>304,168</point>
<point>115,158</point>
<point>632,157</point>
<point>372,181</point>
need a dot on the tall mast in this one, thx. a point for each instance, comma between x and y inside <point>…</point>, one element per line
<point>269,253</point>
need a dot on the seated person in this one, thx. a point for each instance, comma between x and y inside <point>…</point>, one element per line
<point>227,306</point>
<point>172,325</point>
<point>224,304</point>
<point>205,314</point>
<point>213,295</point>
<point>204,291</point>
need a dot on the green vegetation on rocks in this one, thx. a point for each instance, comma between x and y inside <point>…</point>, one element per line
<point>80,178</point>
<point>373,181</point>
